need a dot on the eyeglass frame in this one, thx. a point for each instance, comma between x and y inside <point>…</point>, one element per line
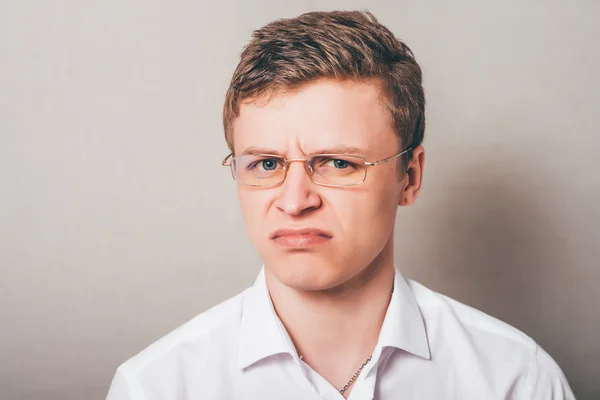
<point>227,162</point>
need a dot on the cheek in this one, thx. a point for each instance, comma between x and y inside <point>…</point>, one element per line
<point>253,205</point>
<point>376,227</point>
<point>362,212</point>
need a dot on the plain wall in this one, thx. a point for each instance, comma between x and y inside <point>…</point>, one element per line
<point>118,223</point>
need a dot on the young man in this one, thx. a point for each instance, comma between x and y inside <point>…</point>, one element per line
<point>324,119</point>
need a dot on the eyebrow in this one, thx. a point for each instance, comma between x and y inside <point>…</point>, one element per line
<point>342,149</point>
<point>258,150</point>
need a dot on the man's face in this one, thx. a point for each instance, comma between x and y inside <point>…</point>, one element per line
<point>333,233</point>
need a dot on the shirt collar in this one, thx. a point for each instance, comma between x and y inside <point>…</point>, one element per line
<point>263,334</point>
<point>403,326</point>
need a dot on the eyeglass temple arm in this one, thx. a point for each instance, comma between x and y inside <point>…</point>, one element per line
<point>389,158</point>
<point>226,162</point>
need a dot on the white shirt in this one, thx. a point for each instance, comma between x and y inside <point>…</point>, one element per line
<point>429,347</point>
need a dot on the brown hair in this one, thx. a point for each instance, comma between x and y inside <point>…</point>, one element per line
<point>346,45</point>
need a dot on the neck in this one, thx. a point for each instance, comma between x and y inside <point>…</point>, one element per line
<point>339,326</point>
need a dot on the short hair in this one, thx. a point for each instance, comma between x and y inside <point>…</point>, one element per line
<point>345,45</point>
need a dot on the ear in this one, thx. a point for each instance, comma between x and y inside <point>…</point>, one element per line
<point>413,178</point>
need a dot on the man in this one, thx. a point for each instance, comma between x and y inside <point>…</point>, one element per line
<point>324,118</point>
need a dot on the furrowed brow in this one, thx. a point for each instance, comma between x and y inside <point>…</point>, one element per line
<point>350,150</point>
<point>341,149</point>
<point>252,150</point>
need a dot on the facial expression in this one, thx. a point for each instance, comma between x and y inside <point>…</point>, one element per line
<point>312,237</point>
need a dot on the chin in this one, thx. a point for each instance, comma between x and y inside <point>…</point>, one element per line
<point>306,271</point>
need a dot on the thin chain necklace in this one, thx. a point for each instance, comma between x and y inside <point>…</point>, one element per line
<point>356,374</point>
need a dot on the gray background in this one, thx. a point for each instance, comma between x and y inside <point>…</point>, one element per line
<point>117,222</point>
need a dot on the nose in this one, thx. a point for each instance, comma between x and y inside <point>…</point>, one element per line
<point>297,193</point>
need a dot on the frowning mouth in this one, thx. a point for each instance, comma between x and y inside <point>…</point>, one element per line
<point>300,232</point>
<point>300,238</point>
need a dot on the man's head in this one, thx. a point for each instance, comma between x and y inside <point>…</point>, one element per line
<point>326,82</point>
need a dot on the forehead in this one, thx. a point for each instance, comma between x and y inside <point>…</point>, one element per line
<point>319,115</point>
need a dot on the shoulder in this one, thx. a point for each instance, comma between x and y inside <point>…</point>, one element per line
<point>439,309</point>
<point>475,339</point>
<point>214,326</point>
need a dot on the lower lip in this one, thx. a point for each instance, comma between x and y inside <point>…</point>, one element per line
<point>300,241</point>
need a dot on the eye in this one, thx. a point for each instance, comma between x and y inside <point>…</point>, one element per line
<point>263,164</point>
<point>340,164</point>
<point>269,164</point>
<point>336,163</point>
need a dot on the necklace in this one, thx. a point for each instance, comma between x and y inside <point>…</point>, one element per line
<point>356,374</point>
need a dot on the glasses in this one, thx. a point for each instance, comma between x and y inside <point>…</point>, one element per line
<point>334,170</point>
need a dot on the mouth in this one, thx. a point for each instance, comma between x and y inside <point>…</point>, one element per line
<point>300,238</point>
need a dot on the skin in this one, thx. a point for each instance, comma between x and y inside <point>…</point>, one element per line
<point>322,293</point>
